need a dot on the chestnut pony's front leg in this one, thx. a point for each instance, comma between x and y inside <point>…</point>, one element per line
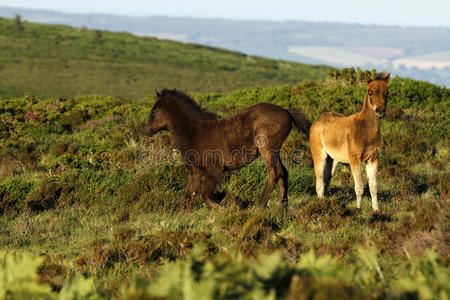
<point>371,170</point>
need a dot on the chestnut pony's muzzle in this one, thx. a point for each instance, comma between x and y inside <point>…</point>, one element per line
<point>380,112</point>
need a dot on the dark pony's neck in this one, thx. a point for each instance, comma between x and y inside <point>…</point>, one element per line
<point>185,105</point>
<point>184,117</point>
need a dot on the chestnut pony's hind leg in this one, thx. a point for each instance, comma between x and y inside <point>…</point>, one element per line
<point>319,157</point>
<point>359,187</point>
<point>328,172</point>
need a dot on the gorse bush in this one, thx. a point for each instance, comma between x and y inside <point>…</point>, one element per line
<point>201,276</point>
<point>271,277</point>
<point>19,279</point>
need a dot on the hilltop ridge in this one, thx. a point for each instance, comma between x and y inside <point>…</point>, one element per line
<point>60,61</point>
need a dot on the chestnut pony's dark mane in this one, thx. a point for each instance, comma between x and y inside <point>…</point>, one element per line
<point>382,76</point>
<point>189,104</point>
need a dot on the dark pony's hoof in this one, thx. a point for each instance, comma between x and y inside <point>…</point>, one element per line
<point>214,205</point>
<point>284,205</point>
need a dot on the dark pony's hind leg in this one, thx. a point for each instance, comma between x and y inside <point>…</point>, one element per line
<point>210,184</point>
<point>191,189</point>
<point>275,170</point>
<point>283,182</point>
<point>328,172</point>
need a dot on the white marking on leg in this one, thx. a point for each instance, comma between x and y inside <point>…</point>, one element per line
<point>359,187</point>
<point>319,170</point>
<point>319,187</point>
<point>371,169</point>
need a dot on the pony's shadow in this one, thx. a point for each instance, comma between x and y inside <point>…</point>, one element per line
<point>348,194</point>
<point>225,199</point>
<point>379,217</point>
<point>345,194</point>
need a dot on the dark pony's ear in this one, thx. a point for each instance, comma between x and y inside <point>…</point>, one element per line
<point>387,77</point>
<point>368,79</point>
<point>158,94</point>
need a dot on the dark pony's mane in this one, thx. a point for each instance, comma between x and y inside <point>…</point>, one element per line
<point>188,104</point>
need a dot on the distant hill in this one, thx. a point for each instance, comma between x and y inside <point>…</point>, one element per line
<point>418,52</point>
<point>60,61</point>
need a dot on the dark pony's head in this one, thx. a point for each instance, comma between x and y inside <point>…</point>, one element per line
<point>179,105</point>
<point>157,120</point>
<point>377,93</point>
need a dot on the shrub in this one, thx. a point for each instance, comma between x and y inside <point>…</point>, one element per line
<point>72,119</point>
<point>13,192</point>
<point>155,190</point>
<point>46,196</point>
<point>62,148</point>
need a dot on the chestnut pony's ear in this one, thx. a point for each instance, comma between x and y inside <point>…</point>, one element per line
<point>158,94</point>
<point>385,76</point>
<point>368,79</point>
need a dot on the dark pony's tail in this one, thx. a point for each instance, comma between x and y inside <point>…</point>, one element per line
<point>300,121</point>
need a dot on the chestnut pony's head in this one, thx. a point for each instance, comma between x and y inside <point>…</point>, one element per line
<point>377,93</point>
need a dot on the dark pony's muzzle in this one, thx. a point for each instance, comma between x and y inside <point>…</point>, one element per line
<point>148,131</point>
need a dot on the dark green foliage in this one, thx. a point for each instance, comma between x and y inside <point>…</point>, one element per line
<point>144,190</point>
<point>45,196</point>
<point>13,192</point>
<point>73,119</point>
<point>81,185</point>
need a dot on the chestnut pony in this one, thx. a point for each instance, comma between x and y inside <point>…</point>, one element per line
<point>354,139</point>
<point>209,145</point>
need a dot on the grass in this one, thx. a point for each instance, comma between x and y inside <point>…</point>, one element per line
<point>97,207</point>
<point>59,61</point>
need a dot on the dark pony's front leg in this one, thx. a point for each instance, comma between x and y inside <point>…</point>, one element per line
<point>191,189</point>
<point>210,184</point>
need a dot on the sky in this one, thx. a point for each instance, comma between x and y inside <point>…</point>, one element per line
<point>384,12</point>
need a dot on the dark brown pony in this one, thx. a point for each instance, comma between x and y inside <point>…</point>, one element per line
<point>210,146</point>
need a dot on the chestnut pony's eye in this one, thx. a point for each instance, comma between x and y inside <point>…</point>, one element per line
<point>370,93</point>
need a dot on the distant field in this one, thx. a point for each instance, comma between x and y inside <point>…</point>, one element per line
<point>436,60</point>
<point>348,56</point>
<point>166,36</point>
<point>274,39</point>
<point>339,56</point>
